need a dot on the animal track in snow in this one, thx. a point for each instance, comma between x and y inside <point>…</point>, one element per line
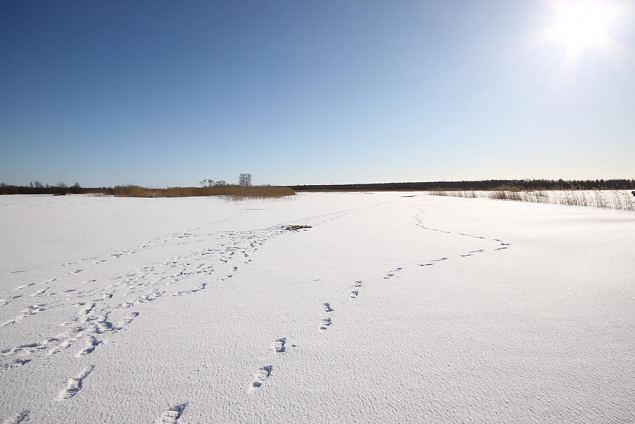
<point>17,362</point>
<point>28,312</point>
<point>90,310</point>
<point>327,307</point>
<point>472,253</point>
<point>91,344</point>
<point>34,309</point>
<point>354,293</point>
<point>433,261</point>
<point>75,384</point>
<point>196,290</point>
<point>20,417</point>
<point>500,242</point>
<point>280,345</point>
<point>172,414</point>
<point>392,273</point>
<point>24,286</point>
<point>40,292</point>
<point>326,323</point>
<point>260,376</point>
<point>87,309</point>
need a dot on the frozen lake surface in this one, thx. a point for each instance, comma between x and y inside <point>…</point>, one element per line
<point>392,308</point>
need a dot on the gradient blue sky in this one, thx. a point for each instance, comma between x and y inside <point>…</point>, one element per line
<point>169,92</point>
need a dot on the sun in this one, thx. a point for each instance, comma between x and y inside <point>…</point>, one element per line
<point>582,25</point>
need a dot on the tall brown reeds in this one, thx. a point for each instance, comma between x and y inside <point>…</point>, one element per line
<point>607,199</point>
<point>230,191</point>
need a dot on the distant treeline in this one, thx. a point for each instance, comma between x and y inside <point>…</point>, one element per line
<point>58,190</point>
<point>519,185</point>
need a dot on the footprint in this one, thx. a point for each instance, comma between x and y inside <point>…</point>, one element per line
<point>326,323</point>
<point>260,376</point>
<point>75,384</point>
<point>392,273</point>
<point>354,294</point>
<point>20,417</point>
<point>86,310</point>
<point>327,307</point>
<point>40,292</point>
<point>18,362</point>
<point>91,344</point>
<point>280,345</point>
<point>24,286</point>
<point>358,283</point>
<point>172,415</point>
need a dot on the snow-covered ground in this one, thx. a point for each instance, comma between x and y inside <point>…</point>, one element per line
<point>392,308</point>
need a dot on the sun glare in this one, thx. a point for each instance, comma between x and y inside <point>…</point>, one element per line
<point>582,25</point>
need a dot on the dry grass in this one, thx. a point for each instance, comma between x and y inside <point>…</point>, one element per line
<point>607,199</point>
<point>230,191</point>
<point>506,195</point>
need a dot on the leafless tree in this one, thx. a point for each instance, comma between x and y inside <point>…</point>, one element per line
<point>244,180</point>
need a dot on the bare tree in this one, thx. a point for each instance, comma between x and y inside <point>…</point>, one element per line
<point>244,180</point>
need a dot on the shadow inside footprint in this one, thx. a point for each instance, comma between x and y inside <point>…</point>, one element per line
<point>280,345</point>
<point>326,323</point>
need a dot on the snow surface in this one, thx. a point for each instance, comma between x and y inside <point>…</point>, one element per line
<point>392,308</point>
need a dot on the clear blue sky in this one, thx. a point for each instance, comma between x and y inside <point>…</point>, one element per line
<point>169,92</point>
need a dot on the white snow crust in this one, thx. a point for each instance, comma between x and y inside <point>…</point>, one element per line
<point>392,308</point>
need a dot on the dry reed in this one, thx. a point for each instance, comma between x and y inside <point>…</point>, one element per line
<point>607,199</point>
<point>230,191</point>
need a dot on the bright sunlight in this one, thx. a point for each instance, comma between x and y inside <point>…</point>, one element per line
<point>582,25</point>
